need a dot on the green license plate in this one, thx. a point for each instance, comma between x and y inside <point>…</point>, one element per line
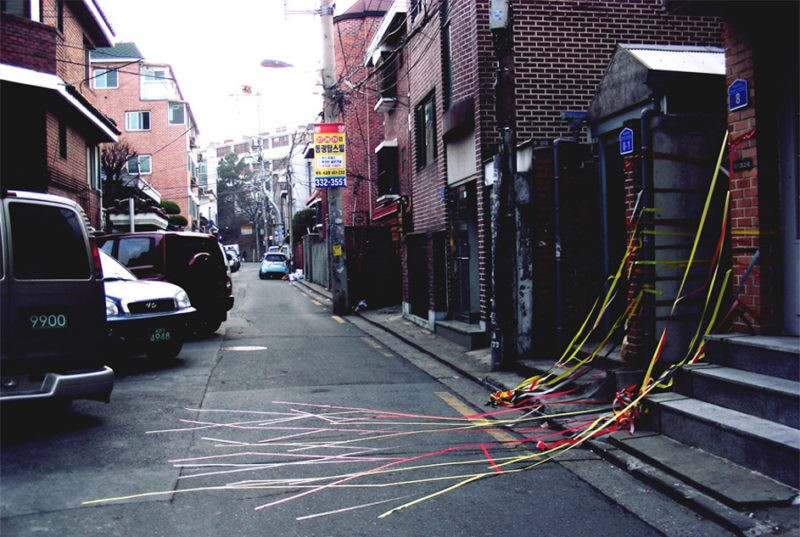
<point>160,335</point>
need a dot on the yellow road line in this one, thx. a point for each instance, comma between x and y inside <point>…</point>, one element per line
<point>371,342</point>
<point>459,406</point>
<point>316,303</point>
<point>337,318</point>
<point>377,346</point>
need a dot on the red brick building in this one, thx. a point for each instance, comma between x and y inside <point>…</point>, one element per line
<point>369,206</point>
<point>144,99</point>
<point>50,125</point>
<point>444,122</point>
<point>560,52</point>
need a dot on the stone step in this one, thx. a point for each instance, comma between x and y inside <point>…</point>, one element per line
<point>768,355</point>
<point>730,483</point>
<point>771,398</point>
<point>767,447</point>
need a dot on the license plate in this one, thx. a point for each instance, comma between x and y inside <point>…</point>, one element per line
<point>160,334</point>
<point>45,320</point>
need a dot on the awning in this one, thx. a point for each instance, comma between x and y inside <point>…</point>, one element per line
<point>385,210</point>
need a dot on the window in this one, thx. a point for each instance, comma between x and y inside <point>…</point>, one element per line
<point>58,254</point>
<point>62,139</point>
<point>137,121</point>
<point>140,165</point>
<point>177,113</point>
<point>105,78</point>
<point>425,125</point>
<point>21,8</point>
<point>280,141</point>
<point>387,170</point>
<point>447,60</point>
<point>93,166</point>
<point>135,251</point>
<point>387,76</point>
<point>87,58</point>
<point>154,75</point>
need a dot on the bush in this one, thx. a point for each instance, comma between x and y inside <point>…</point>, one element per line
<point>171,207</point>
<point>177,221</point>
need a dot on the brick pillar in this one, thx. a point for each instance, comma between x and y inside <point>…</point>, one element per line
<point>751,230</point>
<point>634,345</point>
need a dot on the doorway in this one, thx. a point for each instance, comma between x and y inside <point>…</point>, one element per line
<point>466,296</point>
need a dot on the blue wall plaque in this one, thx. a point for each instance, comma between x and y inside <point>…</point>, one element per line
<point>625,141</point>
<point>738,96</point>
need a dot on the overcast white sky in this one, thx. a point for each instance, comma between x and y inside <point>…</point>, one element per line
<point>216,47</point>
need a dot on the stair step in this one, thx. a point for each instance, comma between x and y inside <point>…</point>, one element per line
<point>770,448</point>
<point>767,397</point>
<point>730,483</point>
<point>776,356</point>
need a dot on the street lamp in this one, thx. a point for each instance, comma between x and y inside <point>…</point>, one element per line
<point>269,63</point>
<point>275,64</point>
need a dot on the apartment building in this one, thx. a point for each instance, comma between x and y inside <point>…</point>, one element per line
<point>278,183</point>
<point>145,100</point>
<point>51,126</point>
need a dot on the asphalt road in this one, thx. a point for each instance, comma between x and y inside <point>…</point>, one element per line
<point>291,421</point>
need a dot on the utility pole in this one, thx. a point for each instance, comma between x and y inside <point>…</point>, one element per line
<point>335,236</point>
<point>503,344</point>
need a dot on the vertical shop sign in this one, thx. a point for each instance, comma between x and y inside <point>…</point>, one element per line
<point>329,155</point>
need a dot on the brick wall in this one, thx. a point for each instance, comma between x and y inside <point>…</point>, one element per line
<point>363,125</point>
<point>68,175</point>
<point>40,46</point>
<point>755,192</point>
<point>562,48</point>
<point>168,145</point>
<point>70,53</point>
<point>27,44</point>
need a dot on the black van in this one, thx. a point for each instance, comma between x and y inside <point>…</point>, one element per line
<point>52,302</point>
<point>194,261</point>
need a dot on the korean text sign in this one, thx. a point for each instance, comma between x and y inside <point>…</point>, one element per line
<point>329,155</point>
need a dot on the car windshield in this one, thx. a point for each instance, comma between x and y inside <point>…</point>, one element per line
<point>275,258</point>
<point>113,269</point>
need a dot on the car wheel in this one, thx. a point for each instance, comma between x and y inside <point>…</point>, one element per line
<point>261,276</point>
<point>165,351</point>
<point>205,326</point>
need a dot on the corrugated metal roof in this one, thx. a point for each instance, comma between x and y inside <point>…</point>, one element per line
<point>684,59</point>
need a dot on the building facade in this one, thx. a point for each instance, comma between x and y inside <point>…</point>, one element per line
<point>763,128</point>
<point>276,174</point>
<point>145,100</point>
<point>560,51</point>
<point>51,127</point>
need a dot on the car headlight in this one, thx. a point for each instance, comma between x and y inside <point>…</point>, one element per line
<point>111,307</point>
<point>182,299</point>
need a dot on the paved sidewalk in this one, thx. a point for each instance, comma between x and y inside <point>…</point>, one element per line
<point>476,365</point>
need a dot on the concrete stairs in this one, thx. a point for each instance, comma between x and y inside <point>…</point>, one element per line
<point>726,438</point>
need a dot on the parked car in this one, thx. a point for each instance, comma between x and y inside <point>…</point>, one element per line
<point>144,316</point>
<point>274,265</point>
<point>194,261</point>
<point>233,260</point>
<point>52,303</point>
